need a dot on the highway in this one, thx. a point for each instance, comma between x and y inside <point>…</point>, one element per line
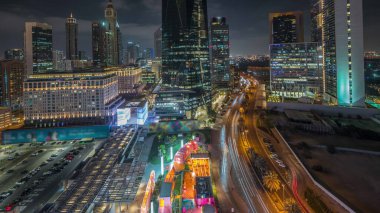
<point>248,184</point>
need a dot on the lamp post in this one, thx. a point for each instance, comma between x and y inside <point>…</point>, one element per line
<point>283,195</point>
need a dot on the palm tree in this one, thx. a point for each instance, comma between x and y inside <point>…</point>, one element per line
<point>271,181</point>
<point>291,205</point>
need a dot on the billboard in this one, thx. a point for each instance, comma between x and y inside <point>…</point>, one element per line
<point>54,134</point>
<point>175,126</point>
<point>123,115</point>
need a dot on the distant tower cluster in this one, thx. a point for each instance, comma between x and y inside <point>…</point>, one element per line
<point>107,46</point>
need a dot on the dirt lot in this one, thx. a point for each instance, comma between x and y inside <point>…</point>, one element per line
<point>353,177</point>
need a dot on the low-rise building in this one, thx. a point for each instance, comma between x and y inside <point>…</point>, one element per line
<point>61,99</point>
<point>5,118</point>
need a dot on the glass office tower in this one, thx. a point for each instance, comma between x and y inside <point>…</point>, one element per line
<point>296,70</point>
<point>38,47</point>
<point>185,50</point>
<point>343,52</point>
<point>220,53</point>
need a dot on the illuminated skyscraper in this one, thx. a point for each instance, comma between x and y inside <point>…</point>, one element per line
<point>12,75</point>
<point>71,38</point>
<point>107,44</point>
<point>185,50</point>
<point>316,21</point>
<point>220,53</point>
<point>38,44</point>
<point>343,56</point>
<point>286,27</point>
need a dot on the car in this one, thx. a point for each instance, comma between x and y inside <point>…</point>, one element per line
<point>5,194</point>
<point>40,151</point>
<point>50,159</point>
<point>20,182</point>
<point>11,158</point>
<point>38,169</point>
<point>21,144</point>
<point>54,155</point>
<point>282,165</point>
<point>47,173</point>
<point>24,172</point>
<point>24,162</point>
<point>52,143</point>
<point>35,154</point>
<point>10,171</point>
<point>279,161</point>
<point>273,156</point>
<point>12,189</point>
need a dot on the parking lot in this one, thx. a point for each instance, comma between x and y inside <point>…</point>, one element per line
<point>31,173</point>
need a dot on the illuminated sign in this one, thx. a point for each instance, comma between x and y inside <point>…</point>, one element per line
<point>123,115</point>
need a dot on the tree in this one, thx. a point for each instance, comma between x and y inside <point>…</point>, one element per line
<point>162,150</point>
<point>271,181</point>
<point>291,205</point>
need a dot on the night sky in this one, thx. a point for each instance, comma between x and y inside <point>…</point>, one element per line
<point>248,20</point>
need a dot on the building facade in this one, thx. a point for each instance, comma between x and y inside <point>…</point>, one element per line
<point>71,38</point>
<point>64,99</point>
<point>220,54</point>
<point>129,78</point>
<point>372,78</point>
<point>316,14</point>
<point>12,75</point>
<point>296,70</point>
<point>342,40</point>
<point>14,54</point>
<point>287,27</point>
<point>185,51</point>
<point>38,48</point>
<point>5,118</point>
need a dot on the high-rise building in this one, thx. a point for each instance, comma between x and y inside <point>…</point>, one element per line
<point>185,51</point>
<point>14,54</point>
<point>343,52</point>
<point>296,70</point>
<point>38,46</point>
<point>158,43</point>
<point>107,46</point>
<point>98,44</point>
<point>58,60</point>
<point>316,21</point>
<point>111,35</point>
<point>372,78</point>
<point>71,38</point>
<point>82,55</point>
<point>12,75</point>
<point>148,53</point>
<point>286,27</point>
<point>220,53</point>
<point>133,52</point>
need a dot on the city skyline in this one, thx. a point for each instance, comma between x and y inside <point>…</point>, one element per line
<point>140,19</point>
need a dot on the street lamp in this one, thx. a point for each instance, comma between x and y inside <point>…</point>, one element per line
<point>283,195</point>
